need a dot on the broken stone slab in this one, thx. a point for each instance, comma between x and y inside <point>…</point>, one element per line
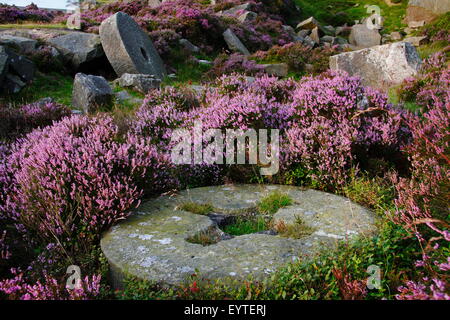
<point>276,69</point>
<point>308,24</point>
<point>233,42</point>
<point>381,66</point>
<point>78,47</point>
<point>247,16</point>
<point>424,11</point>
<point>363,37</point>
<point>128,48</point>
<point>417,41</point>
<point>151,245</point>
<point>188,46</point>
<point>90,93</point>
<point>21,44</point>
<point>139,82</point>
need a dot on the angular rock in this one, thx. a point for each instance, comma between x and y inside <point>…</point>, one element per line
<point>21,44</point>
<point>12,83</point>
<point>309,42</point>
<point>234,43</point>
<point>128,47</point>
<point>417,41</point>
<point>304,33</point>
<point>21,66</point>
<point>308,24</point>
<point>247,16</point>
<point>291,32</point>
<point>396,36</point>
<point>380,66</point>
<point>139,82</point>
<point>276,69</point>
<point>315,36</point>
<point>328,30</point>
<point>425,10</point>
<point>91,93</point>
<point>78,47</point>
<point>187,45</point>
<point>363,37</point>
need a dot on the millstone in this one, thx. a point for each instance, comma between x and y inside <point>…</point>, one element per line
<point>128,47</point>
<point>152,244</point>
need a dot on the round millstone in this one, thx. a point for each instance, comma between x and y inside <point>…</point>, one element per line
<point>128,47</point>
<point>152,244</point>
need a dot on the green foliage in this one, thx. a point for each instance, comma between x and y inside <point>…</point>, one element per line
<point>197,208</point>
<point>246,226</point>
<point>274,201</point>
<point>297,230</point>
<point>205,238</point>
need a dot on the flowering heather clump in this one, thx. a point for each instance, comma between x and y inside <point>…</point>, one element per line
<point>50,288</point>
<point>236,62</point>
<point>17,121</point>
<point>12,14</point>
<point>423,199</point>
<point>73,180</point>
<point>431,87</point>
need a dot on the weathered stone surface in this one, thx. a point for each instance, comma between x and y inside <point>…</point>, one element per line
<point>396,36</point>
<point>152,243</point>
<point>315,36</point>
<point>380,66</point>
<point>237,9</point>
<point>128,47</point>
<point>289,30</point>
<point>187,45</point>
<point>13,83</point>
<point>247,16</point>
<point>417,41</point>
<point>276,69</point>
<point>308,24</point>
<point>21,66</point>
<point>139,82</point>
<point>91,93</point>
<point>3,64</point>
<point>425,10</point>
<point>22,44</point>
<point>304,33</point>
<point>234,43</point>
<point>78,47</point>
<point>362,37</point>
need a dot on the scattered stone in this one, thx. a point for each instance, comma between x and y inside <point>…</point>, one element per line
<point>276,69</point>
<point>315,36</point>
<point>91,93</point>
<point>21,44</point>
<point>139,82</point>
<point>78,47</point>
<point>221,219</point>
<point>309,42</point>
<point>154,3</point>
<point>380,66</point>
<point>328,39</point>
<point>309,24</point>
<point>340,41</point>
<point>243,7</point>
<point>304,33</point>
<point>122,96</point>
<point>416,24</point>
<point>12,83</point>
<point>396,36</point>
<point>343,31</point>
<point>188,46</point>
<point>417,41</point>
<point>291,32</point>
<point>425,10</point>
<point>128,47</point>
<point>205,62</point>
<point>363,37</point>
<point>152,245</point>
<point>247,16</point>
<point>329,30</point>
<point>234,43</point>
<point>199,89</point>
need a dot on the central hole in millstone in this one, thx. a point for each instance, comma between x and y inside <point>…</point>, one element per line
<point>144,53</point>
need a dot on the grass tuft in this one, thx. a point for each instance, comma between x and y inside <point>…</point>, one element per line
<point>202,209</point>
<point>274,201</point>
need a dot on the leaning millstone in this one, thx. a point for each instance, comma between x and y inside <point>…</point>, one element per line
<point>276,69</point>
<point>78,47</point>
<point>363,37</point>
<point>417,41</point>
<point>91,93</point>
<point>380,66</point>
<point>22,44</point>
<point>128,47</point>
<point>234,43</point>
<point>139,82</point>
<point>247,16</point>
<point>152,244</point>
<point>188,46</point>
<point>309,24</point>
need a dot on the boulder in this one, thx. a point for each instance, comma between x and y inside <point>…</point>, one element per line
<point>21,66</point>
<point>291,32</point>
<point>425,10</point>
<point>13,83</point>
<point>417,41</point>
<point>91,93</point>
<point>363,37</point>
<point>396,36</point>
<point>247,16</point>
<point>304,33</point>
<point>139,82</point>
<point>78,47</point>
<point>21,44</point>
<point>128,47</point>
<point>234,43</point>
<point>380,66</point>
<point>276,69</point>
<point>188,46</point>
<point>315,35</point>
<point>308,24</point>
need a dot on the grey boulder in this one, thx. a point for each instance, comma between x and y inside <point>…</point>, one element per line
<point>363,37</point>
<point>90,93</point>
<point>234,43</point>
<point>139,82</point>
